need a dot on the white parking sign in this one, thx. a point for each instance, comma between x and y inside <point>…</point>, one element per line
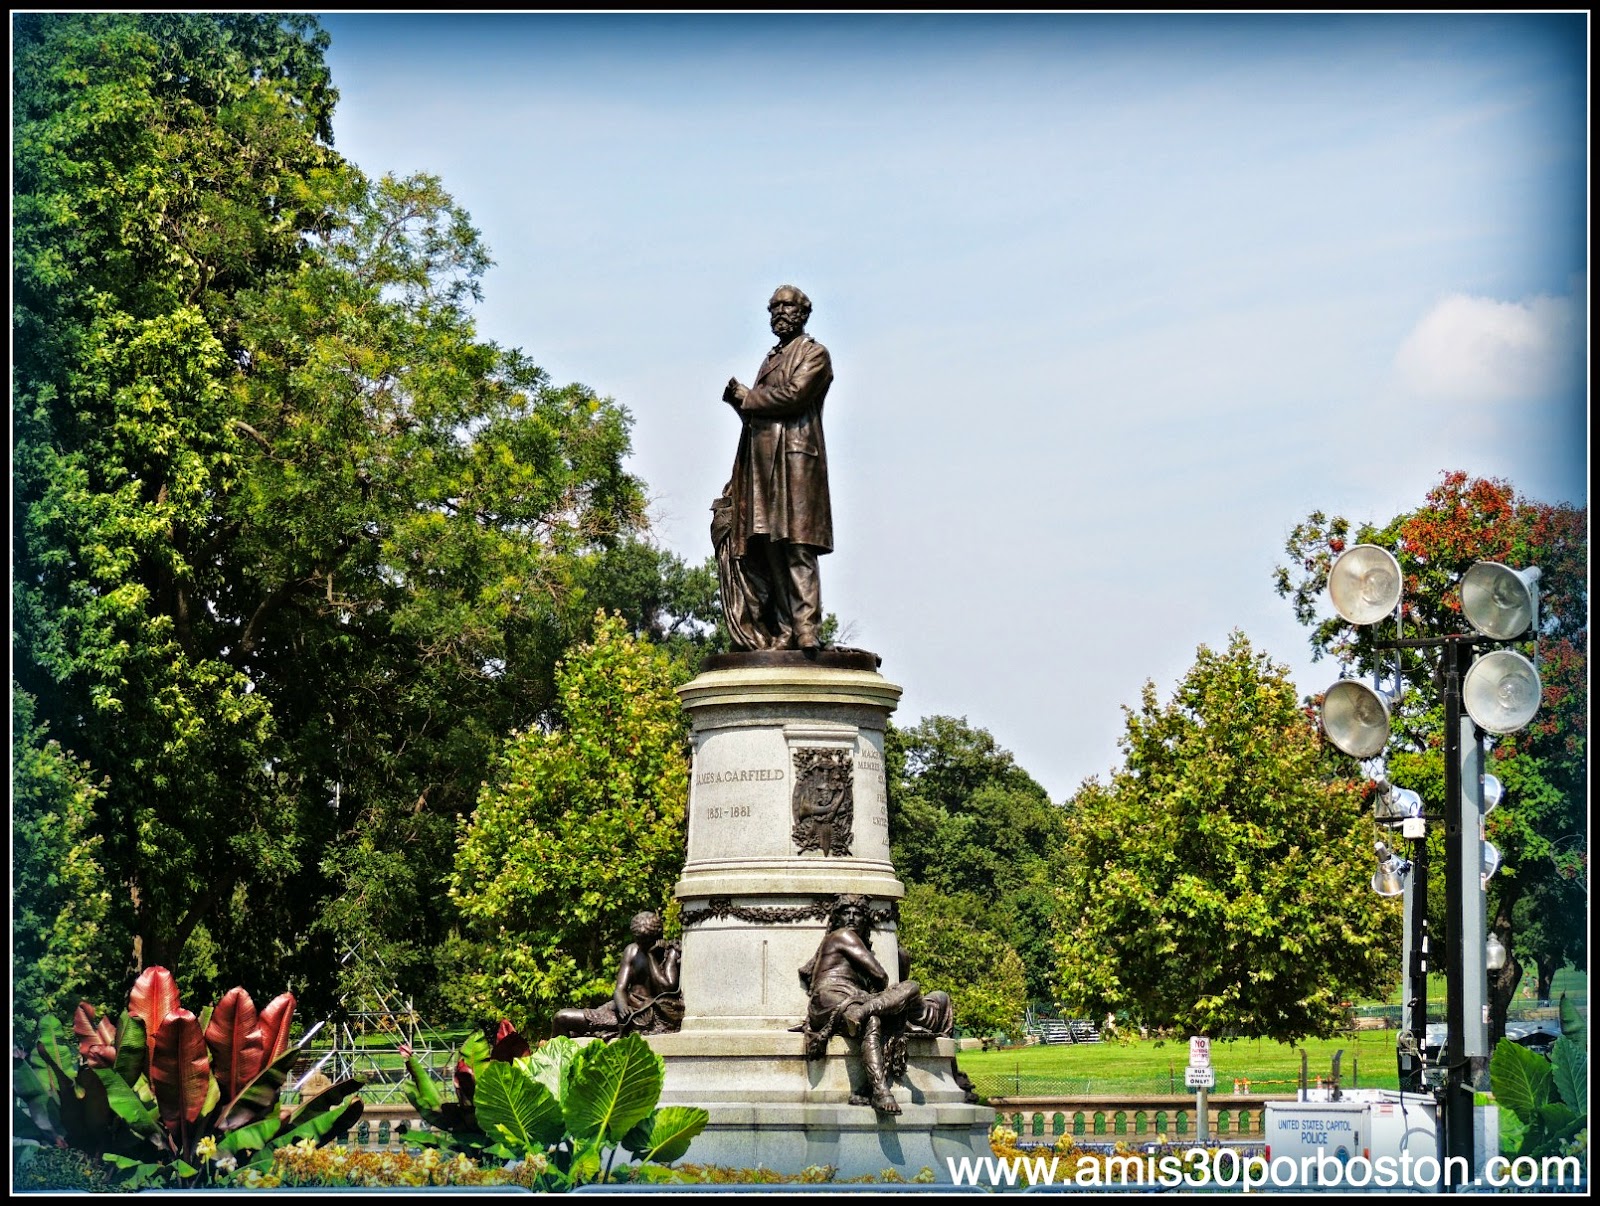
<point>1199,1052</point>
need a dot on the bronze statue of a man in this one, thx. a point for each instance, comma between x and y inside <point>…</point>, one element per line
<point>774,519</point>
<point>851,995</point>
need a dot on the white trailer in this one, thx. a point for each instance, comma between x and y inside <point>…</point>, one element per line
<point>1325,1131</point>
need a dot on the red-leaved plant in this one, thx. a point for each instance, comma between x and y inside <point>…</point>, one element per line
<point>147,1093</point>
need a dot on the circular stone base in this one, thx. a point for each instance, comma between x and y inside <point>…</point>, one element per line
<point>772,1108</point>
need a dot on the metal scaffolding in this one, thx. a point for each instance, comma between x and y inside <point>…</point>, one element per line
<point>372,1008</point>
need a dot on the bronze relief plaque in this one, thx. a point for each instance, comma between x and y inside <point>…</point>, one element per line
<point>823,800</point>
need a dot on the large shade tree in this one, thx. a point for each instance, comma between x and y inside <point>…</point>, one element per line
<point>293,548</point>
<point>59,899</point>
<point>969,823</point>
<point>952,950</point>
<point>161,164</point>
<point>1218,883</point>
<point>1537,900</point>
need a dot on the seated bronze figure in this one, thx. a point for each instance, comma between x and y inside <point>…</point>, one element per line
<point>851,996</point>
<point>647,999</point>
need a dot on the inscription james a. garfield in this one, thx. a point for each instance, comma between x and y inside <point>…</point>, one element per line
<point>824,801</point>
<point>758,775</point>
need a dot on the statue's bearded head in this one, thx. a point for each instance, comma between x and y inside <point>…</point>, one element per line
<point>789,310</point>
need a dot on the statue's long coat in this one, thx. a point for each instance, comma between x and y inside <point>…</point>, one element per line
<point>780,475</point>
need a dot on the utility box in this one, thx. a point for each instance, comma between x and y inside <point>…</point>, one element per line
<point>1335,1130</point>
<point>1405,1124</point>
<point>1404,1127</point>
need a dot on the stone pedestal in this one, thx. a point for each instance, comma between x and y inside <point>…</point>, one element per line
<point>756,889</point>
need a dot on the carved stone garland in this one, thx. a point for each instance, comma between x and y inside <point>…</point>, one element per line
<point>721,907</point>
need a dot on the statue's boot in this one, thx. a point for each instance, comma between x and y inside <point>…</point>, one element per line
<point>872,1059</point>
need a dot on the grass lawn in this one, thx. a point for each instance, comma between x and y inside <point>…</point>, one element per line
<point>1568,980</point>
<point>1154,1066</point>
<point>1135,1066</point>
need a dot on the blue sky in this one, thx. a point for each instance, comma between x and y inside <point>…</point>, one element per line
<point>1113,301</point>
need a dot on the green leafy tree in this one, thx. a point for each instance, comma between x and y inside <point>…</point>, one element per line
<point>422,513</point>
<point>580,827</point>
<point>964,818</point>
<point>1025,919</point>
<point>665,600</point>
<point>1541,828</point>
<point>61,948</point>
<point>1218,883</point>
<point>1551,919</point>
<point>162,162</point>
<point>294,549</point>
<point>952,952</point>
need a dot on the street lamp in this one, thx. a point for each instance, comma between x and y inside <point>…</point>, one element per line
<point>1364,583</point>
<point>1395,807</point>
<point>1356,717</point>
<point>1500,693</point>
<point>1500,603</point>
<point>1491,861</point>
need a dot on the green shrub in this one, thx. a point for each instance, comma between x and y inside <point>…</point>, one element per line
<point>57,1168</point>
<point>566,1108</point>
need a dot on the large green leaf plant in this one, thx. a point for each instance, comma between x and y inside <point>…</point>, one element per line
<point>566,1108</point>
<point>1546,1098</point>
<point>165,1096</point>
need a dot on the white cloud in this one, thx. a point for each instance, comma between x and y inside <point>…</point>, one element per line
<point>1479,350</point>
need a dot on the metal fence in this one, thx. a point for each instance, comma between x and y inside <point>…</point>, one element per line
<point>1236,1081</point>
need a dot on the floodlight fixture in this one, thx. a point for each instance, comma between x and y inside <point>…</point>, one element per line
<point>1491,860</point>
<point>1356,717</point>
<point>1493,793</point>
<point>1364,584</point>
<point>1500,602</point>
<point>1501,691</point>
<point>1494,952</point>
<point>1393,806</point>
<point>1389,878</point>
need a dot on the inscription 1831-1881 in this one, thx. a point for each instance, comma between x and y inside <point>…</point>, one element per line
<point>824,803</point>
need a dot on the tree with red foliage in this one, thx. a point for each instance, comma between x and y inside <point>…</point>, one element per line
<point>1536,902</point>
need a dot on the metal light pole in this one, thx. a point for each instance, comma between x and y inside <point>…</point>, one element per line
<point>1414,959</point>
<point>1500,695</point>
<point>1465,1054</point>
<point>1463,789</point>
